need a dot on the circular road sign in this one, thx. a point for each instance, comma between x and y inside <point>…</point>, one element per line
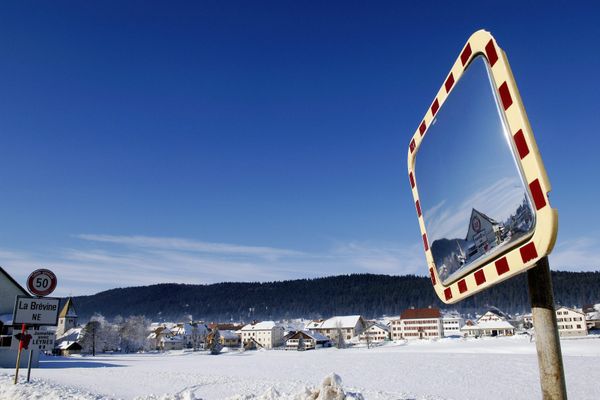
<point>41,282</point>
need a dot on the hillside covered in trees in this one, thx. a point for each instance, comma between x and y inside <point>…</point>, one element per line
<point>365,294</point>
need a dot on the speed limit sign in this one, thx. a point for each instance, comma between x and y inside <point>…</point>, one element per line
<point>41,282</point>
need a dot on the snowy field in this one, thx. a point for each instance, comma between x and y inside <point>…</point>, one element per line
<point>490,368</point>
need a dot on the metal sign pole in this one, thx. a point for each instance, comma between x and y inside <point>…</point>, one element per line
<point>19,354</point>
<point>547,342</point>
<point>29,364</point>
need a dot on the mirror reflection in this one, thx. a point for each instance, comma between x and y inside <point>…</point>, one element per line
<point>474,201</point>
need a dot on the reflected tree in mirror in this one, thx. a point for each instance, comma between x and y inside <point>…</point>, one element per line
<point>474,202</point>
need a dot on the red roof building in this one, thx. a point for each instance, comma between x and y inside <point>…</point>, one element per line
<point>418,323</point>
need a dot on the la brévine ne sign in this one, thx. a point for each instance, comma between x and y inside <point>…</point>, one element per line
<point>36,311</point>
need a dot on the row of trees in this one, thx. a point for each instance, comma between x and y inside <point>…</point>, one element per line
<point>125,335</point>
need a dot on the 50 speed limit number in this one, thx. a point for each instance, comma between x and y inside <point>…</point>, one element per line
<point>41,282</point>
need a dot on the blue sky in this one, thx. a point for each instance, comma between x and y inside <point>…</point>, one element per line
<point>146,142</point>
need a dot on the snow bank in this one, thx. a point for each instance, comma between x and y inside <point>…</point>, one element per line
<point>330,389</point>
<point>40,390</point>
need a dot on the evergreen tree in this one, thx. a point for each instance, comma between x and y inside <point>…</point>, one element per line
<point>215,345</point>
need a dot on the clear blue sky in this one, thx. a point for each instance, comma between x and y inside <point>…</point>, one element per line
<point>198,142</point>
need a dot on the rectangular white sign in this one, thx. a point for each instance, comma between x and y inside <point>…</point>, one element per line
<point>36,311</point>
<point>42,340</point>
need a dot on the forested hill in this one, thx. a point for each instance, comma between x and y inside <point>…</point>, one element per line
<point>365,294</point>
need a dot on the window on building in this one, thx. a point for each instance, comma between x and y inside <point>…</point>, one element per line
<point>5,335</point>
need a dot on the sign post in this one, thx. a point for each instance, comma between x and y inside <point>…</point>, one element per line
<point>29,364</point>
<point>21,344</point>
<point>547,341</point>
<point>36,311</point>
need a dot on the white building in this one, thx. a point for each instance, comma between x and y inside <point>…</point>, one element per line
<point>418,323</point>
<point>451,323</point>
<point>266,334</point>
<point>375,333</point>
<point>67,318</point>
<point>309,340</point>
<point>9,346</point>
<point>349,326</point>
<point>570,322</point>
<point>592,316</point>
<point>493,323</point>
<point>493,314</point>
<point>192,334</point>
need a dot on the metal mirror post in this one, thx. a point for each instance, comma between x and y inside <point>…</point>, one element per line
<point>477,206</point>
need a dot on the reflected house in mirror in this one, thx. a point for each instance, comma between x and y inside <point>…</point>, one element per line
<point>479,185</point>
<point>484,234</point>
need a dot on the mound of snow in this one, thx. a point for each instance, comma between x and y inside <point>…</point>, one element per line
<point>185,395</point>
<point>40,390</point>
<point>330,389</point>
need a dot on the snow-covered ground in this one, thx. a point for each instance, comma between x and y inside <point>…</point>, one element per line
<point>490,368</point>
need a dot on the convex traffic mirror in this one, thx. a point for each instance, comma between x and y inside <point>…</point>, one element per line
<point>479,185</point>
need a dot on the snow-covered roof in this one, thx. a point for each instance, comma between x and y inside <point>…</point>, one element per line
<point>498,312</point>
<point>260,326</point>
<point>228,335</point>
<point>6,319</point>
<point>347,321</point>
<point>313,324</point>
<point>380,326</point>
<point>316,336</point>
<point>66,344</point>
<point>183,329</point>
<point>72,335</point>
<point>592,316</point>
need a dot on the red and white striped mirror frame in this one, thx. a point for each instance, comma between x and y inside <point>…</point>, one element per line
<point>525,255</point>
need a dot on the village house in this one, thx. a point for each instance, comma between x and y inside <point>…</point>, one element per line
<point>451,323</point>
<point>9,289</point>
<point>265,334</point>
<point>571,322</point>
<point>171,343</point>
<point>494,314</point>
<point>349,326</point>
<point>375,333</point>
<point>418,323</point>
<point>484,233</point>
<point>307,340</point>
<point>192,334</point>
<point>493,323</point>
<point>527,321</point>
<point>67,348</point>
<point>227,338</point>
<point>230,338</point>
<point>158,336</point>
<point>592,316</point>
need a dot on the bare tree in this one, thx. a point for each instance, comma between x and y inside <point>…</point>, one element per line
<point>134,332</point>
<point>368,337</point>
<point>89,342</point>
